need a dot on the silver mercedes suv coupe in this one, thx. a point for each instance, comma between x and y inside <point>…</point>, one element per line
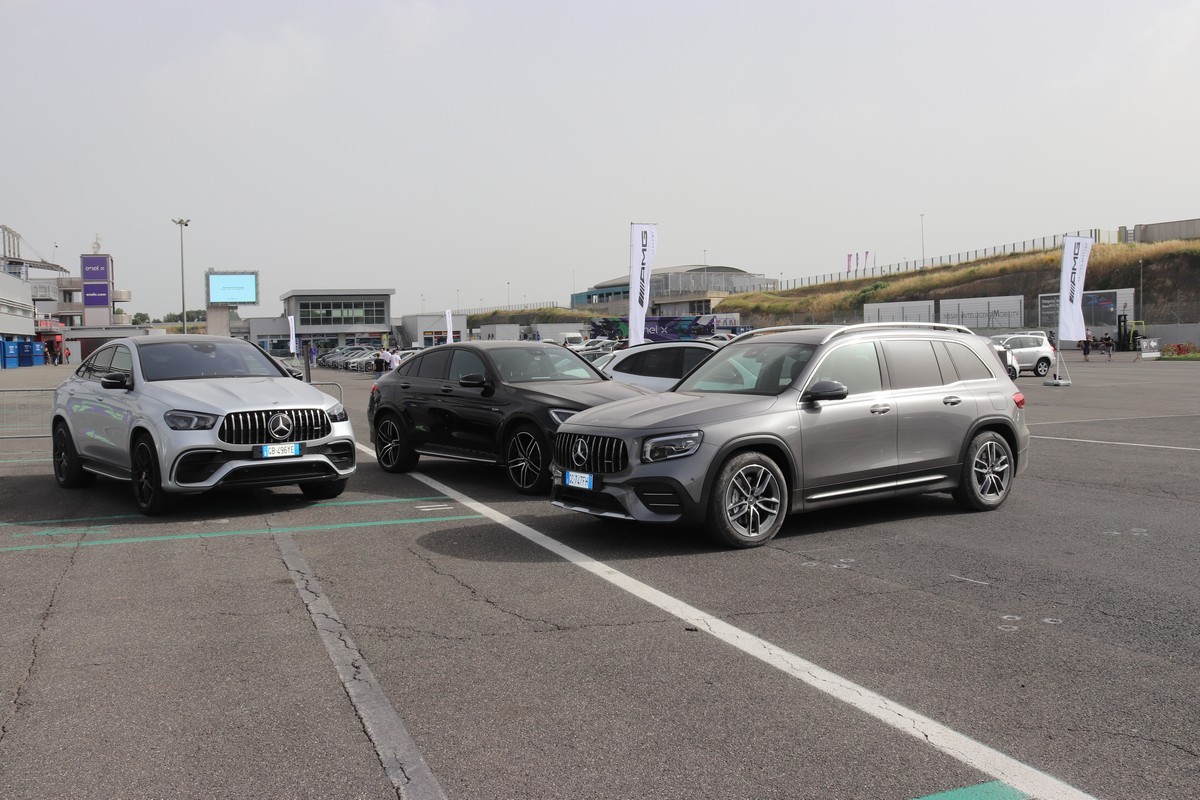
<point>782,420</point>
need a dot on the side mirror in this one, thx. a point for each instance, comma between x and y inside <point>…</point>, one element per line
<point>473,380</point>
<point>298,374</point>
<point>825,390</point>
<point>116,380</point>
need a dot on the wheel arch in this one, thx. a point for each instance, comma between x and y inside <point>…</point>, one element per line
<point>770,446</point>
<point>996,425</point>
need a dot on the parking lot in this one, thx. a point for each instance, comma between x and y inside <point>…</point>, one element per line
<point>435,634</point>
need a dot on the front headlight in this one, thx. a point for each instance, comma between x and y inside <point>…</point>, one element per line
<point>675,445</point>
<point>337,413</point>
<point>561,415</point>
<point>189,420</point>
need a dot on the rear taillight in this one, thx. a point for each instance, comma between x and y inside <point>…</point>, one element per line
<point>1019,399</point>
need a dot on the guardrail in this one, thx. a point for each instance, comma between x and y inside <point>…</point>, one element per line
<point>25,413</point>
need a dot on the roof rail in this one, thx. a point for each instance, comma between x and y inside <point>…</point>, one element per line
<point>941,326</point>
<point>774,329</point>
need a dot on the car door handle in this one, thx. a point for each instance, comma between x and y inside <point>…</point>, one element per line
<point>880,408</point>
<point>951,400</point>
<point>447,389</point>
<point>406,386</point>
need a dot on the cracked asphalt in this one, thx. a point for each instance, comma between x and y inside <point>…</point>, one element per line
<point>405,642</point>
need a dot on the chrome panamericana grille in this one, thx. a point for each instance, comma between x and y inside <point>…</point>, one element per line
<point>602,455</point>
<point>253,427</point>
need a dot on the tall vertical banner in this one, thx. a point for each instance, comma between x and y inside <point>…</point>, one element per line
<point>449,327</point>
<point>1076,250</point>
<point>643,241</point>
<point>292,335</point>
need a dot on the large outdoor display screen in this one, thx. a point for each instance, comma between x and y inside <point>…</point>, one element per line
<point>232,288</point>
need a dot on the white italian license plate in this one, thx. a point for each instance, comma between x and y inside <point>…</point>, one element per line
<point>279,450</point>
<point>578,480</point>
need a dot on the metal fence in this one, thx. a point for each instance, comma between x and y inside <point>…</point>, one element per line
<point>25,413</point>
<point>1028,246</point>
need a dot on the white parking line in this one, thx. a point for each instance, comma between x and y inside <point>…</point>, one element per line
<point>1113,419</point>
<point>1124,444</point>
<point>962,748</point>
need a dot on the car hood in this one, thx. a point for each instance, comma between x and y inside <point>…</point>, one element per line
<point>224,395</point>
<point>583,393</point>
<point>673,410</point>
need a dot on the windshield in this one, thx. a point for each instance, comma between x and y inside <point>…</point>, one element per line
<point>546,363</point>
<point>171,361</point>
<point>753,367</point>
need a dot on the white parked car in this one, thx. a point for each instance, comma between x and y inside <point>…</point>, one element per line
<point>185,414</point>
<point>656,365</point>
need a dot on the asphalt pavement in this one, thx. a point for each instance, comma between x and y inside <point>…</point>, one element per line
<point>435,635</point>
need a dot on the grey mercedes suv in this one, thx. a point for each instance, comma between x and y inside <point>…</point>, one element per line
<point>782,420</point>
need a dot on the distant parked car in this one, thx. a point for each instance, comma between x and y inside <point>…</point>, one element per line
<point>185,414</point>
<point>1032,349</point>
<point>492,401</point>
<point>656,365</point>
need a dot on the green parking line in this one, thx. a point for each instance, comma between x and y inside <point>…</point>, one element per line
<point>67,519</point>
<point>216,534</point>
<point>983,791</point>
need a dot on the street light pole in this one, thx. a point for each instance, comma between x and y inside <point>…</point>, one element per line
<point>922,239</point>
<point>182,223</point>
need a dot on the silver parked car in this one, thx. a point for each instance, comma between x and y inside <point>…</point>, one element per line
<point>1031,349</point>
<point>184,414</point>
<point>792,419</point>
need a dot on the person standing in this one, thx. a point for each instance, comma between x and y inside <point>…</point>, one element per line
<point>394,358</point>
<point>381,363</point>
<point>1106,342</point>
<point>67,355</point>
<point>1087,345</point>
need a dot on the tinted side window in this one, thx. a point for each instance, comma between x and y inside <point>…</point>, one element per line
<point>855,365</point>
<point>653,364</point>
<point>969,367</point>
<point>433,365</point>
<point>122,361</point>
<point>409,366</point>
<point>912,364</point>
<point>691,357</point>
<point>97,365</point>
<point>466,362</point>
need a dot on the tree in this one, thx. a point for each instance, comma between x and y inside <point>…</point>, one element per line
<point>141,318</point>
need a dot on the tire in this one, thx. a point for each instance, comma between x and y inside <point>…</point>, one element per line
<point>68,468</point>
<point>148,491</point>
<point>393,450</point>
<point>325,490</point>
<point>1043,366</point>
<point>527,460</point>
<point>748,502</point>
<point>1013,373</point>
<point>987,473</point>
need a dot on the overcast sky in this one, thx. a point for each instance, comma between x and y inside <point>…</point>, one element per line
<point>480,152</point>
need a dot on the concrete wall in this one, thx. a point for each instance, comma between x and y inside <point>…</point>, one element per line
<point>1165,231</point>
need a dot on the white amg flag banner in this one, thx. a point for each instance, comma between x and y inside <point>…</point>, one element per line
<point>449,326</point>
<point>1076,250</point>
<point>643,239</point>
<point>292,334</point>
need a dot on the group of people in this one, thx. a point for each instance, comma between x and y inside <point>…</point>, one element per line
<point>53,357</point>
<point>386,360</point>
<point>1105,344</point>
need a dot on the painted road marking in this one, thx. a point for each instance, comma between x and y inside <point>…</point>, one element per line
<point>1125,444</point>
<point>983,791</point>
<point>962,748</point>
<point>398,753</point>
<point>1114,419</point>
